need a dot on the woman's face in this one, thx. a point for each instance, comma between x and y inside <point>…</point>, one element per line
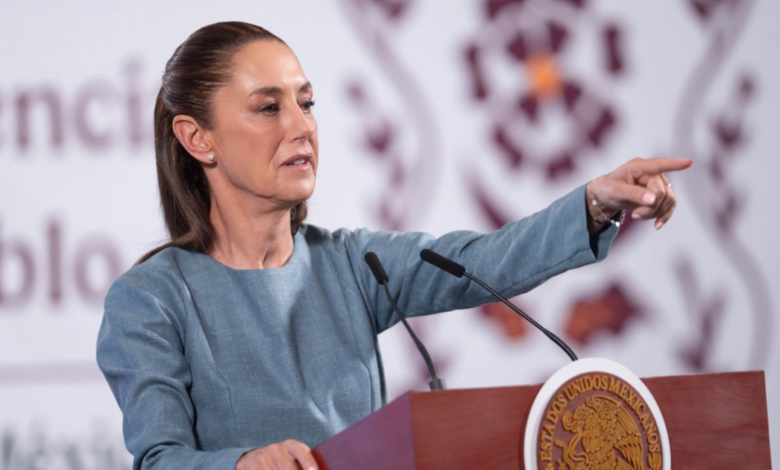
<point>265,134</point>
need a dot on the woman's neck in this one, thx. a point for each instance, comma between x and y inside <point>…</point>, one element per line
<point>250,238</point>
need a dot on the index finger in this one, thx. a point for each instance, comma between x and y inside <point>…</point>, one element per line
<point>655,166</point>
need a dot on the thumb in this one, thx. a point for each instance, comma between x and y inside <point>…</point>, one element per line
<point>626,196</point>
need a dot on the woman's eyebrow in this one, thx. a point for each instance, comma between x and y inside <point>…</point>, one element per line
<point>275,90</point>
<point>267,90</point>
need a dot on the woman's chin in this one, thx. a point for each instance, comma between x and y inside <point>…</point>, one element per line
<point>299,194</point>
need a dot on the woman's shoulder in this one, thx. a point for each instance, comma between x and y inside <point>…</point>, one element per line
<point>163,264</point>
<point>361,240</point>
<point>319,238</point>
<point>318,235</point>
<point>159,277</point>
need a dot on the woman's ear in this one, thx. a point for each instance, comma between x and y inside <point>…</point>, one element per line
<point>193,138</point>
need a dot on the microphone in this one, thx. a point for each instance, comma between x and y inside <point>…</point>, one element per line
<point>372,260</point>
<point>457,270</point>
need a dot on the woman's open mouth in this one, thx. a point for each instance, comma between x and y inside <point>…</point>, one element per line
<point>299,161</point>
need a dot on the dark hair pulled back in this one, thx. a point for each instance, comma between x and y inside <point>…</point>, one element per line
<point>198,68</point>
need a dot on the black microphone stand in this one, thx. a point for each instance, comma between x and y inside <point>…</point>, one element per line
<point>378,270</point>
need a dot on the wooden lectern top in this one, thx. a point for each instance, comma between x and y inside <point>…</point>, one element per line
<point>715,421</point>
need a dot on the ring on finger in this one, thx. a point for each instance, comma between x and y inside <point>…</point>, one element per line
<point>666,180</point>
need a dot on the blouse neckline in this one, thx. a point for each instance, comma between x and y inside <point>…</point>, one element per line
<point>299,245</point>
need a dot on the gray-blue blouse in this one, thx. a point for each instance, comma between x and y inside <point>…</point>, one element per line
<point>207,362</point>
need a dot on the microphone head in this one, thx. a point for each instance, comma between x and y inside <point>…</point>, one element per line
<point>372,260</point>
<point>442,263</point>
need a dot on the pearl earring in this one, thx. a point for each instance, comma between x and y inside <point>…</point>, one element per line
<point>211,157</point>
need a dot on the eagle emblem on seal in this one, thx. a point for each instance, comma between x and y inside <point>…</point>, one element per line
<point>605,438</point>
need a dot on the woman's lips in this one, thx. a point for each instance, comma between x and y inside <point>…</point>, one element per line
<point>298,162</point>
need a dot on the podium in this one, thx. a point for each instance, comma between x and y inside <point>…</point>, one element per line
<point>715,421</point>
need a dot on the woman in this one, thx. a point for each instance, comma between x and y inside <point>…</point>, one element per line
<point>251,336</point>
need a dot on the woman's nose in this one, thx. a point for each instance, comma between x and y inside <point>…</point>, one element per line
<point>300,124</point>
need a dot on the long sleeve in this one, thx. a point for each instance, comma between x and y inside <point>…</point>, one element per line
<point>514,259</point>
<point>141,354</point>
<point>208,362</point>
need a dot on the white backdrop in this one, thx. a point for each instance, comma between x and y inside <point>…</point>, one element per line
<point>433,116</point>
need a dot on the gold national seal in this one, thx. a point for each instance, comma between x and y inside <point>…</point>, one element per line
<point>597,421</point>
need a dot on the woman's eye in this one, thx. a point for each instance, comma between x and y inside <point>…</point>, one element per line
<point>307,105</point>
<point>270,108</point>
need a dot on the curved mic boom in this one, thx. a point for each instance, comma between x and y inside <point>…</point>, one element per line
<point>457,270</point>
